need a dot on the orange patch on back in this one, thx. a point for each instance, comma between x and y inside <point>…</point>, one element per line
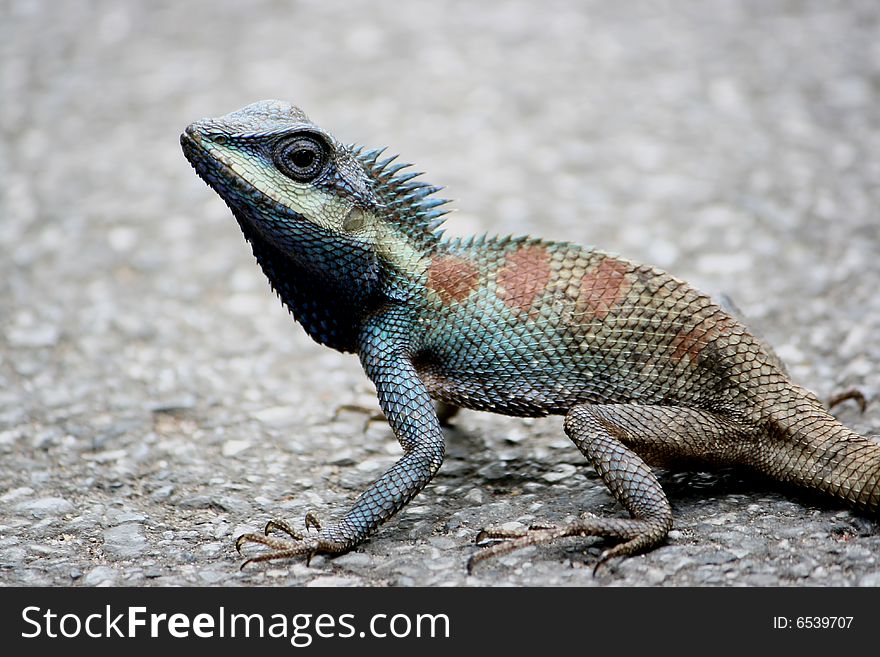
<point>452,278</point>
<point>691,342</point>
<point>603,288</point>
<point>523,276</point>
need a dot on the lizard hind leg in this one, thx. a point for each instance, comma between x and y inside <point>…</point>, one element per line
<point>610,436</point>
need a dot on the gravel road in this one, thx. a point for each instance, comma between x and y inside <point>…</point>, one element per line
<point>156,400</point>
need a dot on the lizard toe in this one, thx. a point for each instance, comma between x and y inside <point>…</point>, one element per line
<point>306,547</point>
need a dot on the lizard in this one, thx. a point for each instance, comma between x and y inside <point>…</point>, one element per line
<point>646,370</point>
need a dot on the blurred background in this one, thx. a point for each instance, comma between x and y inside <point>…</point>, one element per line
<point>156,399</point>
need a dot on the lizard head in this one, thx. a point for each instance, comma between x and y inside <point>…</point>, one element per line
<point>291,184</point>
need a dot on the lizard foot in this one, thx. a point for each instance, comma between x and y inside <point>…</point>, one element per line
<point>298,545</point>
<point>639,534</point>
<point>853,393</point>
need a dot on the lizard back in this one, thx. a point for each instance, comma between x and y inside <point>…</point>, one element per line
<point>529,327</point>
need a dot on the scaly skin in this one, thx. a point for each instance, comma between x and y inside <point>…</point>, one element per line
<point>647,370</point>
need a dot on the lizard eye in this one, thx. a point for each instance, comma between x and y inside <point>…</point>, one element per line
<point>302,157</point>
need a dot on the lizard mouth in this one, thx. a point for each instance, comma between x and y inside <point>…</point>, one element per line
<point>209,169</point>
<point>217,174</point>
<point>244,199</point>
<point>190,142</point>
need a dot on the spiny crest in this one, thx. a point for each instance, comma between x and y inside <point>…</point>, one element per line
<point>406,199</point>
<point>496,241</point>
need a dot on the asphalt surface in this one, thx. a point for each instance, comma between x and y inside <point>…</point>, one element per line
<point>156,400</point>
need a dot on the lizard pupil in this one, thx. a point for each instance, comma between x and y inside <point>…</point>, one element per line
<point>302,157</point>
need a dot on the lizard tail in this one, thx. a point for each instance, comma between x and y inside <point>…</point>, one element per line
<point>809,447</point>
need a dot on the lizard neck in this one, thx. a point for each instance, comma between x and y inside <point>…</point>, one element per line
<point>327,290</point>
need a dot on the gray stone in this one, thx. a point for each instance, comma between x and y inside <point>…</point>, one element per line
<point>44,507</point>
<point>124,541</point>
<point>356,560</point>
<point>100,576</point>
<point>12,557</point>
<point>16,493</point>
<point>870,579</point>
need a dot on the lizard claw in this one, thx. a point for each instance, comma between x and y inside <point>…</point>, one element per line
<point>281,525</point>
<point>510,540</point>
<point>489,535</point>
<point>312,521</point>
<point>372,415</point>
<point>607,555</point>
<point>853,393</point>
<point>638,535</point>
<point>500,534</point>
<point>298,545</point>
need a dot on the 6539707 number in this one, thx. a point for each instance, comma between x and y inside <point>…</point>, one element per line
<point>812,622</point>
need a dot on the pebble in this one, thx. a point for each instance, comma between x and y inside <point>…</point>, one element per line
<point>560,472</point>
<point>334,581</point>
<point>100,576</point>
<point>124,541</point>
<point>44,507</point>
<point>870,579</point>
<point>354,560</point>
<point>475,495</point>
<point>235,447</point>
<point>276,416</point>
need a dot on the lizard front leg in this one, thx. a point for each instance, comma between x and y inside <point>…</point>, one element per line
<point>611,437</point>
<point>405,402</point>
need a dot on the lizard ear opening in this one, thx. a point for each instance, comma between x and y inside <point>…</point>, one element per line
<point>355,220</point>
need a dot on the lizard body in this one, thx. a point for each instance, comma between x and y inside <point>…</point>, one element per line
<point>646,369</point>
